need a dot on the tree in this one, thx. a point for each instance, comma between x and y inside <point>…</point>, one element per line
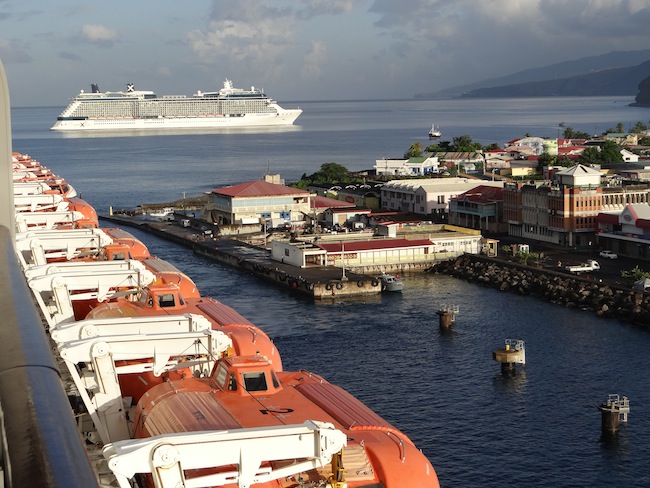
<point>331,173</point>
<point>328,173</point>
<point>465,143</point>
<point>590,155</point>
<point>414,151</point>
<point>545,159</point>
<point>639,128</point>
<point>619,129</point>
<point>569,133</point>
<point>442,146</point>
<point>611,152</point>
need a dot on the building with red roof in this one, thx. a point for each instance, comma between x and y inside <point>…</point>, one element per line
<point>259,202</point>
<point>626,232</point>
<point>479,208</point>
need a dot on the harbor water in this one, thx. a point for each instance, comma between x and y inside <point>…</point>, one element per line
<point>537,428</point>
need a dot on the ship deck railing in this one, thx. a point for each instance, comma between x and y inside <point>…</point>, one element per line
<point>39,441</point>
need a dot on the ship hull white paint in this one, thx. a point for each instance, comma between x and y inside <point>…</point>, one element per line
<point>258,120</point>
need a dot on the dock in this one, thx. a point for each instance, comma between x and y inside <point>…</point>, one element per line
<point>318,282</point>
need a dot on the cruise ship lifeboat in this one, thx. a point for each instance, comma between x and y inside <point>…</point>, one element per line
<point>168,299</point>
<point>247,392</point>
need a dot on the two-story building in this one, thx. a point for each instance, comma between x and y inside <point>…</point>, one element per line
<point>414,166</point>
<point>259,202</point>
<point>478,208</point>
<point>427,196</point>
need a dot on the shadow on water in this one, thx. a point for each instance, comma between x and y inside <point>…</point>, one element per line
<point>511,381</point>
<point>615,445</point>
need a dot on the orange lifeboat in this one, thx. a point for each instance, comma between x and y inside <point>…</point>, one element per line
<point>247,392</point>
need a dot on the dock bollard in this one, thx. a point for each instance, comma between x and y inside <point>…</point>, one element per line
<point>509,356</point>
<point>613,412</point>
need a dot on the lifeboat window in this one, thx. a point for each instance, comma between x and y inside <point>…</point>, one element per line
<point>276,383</point>
<point>118,256</point>
<point>166,300</point>
<point>255,381</point>
<point>221,376</point>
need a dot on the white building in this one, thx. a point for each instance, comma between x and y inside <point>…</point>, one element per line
<point>259,202</point>
<point>427,196</point>
<point>373,252</point>
<point>416,166</point>
<point>578,176</point>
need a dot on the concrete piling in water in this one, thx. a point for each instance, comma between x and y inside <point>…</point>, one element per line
<point>509,356</point>
<point>447,315</point>
<point>613,412</point>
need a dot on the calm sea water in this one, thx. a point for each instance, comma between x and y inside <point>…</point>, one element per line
<point>537,429</point>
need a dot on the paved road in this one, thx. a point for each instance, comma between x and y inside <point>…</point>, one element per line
<point>610,271</point>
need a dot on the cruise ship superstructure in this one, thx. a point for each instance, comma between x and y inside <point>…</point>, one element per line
<point>142,109</point>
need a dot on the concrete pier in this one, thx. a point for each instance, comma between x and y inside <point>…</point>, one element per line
<point>319,282</point>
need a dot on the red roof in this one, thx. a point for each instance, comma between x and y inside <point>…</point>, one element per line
<point>482,194</point>
<point>355,246</point>
<point>607,218</point>
<point>353,208</point>
<point>324,202</point>
<point>258,188</point>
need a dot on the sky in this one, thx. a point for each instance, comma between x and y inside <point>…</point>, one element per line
<point>299,50</point>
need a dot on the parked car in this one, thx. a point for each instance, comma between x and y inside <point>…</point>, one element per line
<point>608,255</point>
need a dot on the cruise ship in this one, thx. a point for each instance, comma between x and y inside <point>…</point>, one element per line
<point>229,107</point>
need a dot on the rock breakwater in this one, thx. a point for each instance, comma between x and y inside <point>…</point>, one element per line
<point>570,291</point>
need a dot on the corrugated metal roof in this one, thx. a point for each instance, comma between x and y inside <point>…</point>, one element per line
<point>324,202</point>
<point>373,245</point>
<point>258,188</point>
<point>482,194</point>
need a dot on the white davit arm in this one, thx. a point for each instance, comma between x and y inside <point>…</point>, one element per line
<point>56,292</point>
<point>33,203</point>
<point>86,267</point>
<point>36,247</point>
<point>310,445</point>
<point>45,220</point>
<point>156,352</point>
<point>31,188</point>
<point>89,328</point>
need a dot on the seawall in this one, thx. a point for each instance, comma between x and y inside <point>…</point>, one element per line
<point>604,299</point>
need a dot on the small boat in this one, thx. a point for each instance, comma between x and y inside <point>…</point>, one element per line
<point>164,214</point>
<point>391,283</point>
<point>435,133</point>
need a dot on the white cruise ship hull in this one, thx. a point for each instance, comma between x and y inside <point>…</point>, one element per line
<point>286,117</point>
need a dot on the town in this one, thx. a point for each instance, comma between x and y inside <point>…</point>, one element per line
<point>576,193</point>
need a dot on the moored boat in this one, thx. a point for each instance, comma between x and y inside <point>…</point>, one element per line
<point>391,282</point>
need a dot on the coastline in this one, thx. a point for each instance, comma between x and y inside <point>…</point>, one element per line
<point>605,299</point>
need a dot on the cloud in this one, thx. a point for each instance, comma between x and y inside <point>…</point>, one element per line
<point>474,40</point>
<point>267,39</point>
<point>69,56</point>
<point>12,53</point>
<point>98,34</point>
<point>311,69</point>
